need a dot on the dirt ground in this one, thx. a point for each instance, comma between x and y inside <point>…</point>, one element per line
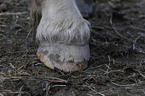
<point>116,67</point>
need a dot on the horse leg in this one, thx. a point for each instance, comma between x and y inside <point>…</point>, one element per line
<point>63,36</point>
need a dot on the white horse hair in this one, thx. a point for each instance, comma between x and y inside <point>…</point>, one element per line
<point>62,26</point>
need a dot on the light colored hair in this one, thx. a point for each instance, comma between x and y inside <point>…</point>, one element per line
<point>61,22</point>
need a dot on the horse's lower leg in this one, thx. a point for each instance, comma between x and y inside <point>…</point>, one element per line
<point>63,35</point>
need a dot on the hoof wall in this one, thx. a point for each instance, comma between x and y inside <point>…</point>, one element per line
<point>68,58</point>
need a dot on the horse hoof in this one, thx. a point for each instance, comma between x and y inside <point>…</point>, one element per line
<point>68,58</point>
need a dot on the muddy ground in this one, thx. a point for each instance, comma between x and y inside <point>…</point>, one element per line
<point>116,67</point>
